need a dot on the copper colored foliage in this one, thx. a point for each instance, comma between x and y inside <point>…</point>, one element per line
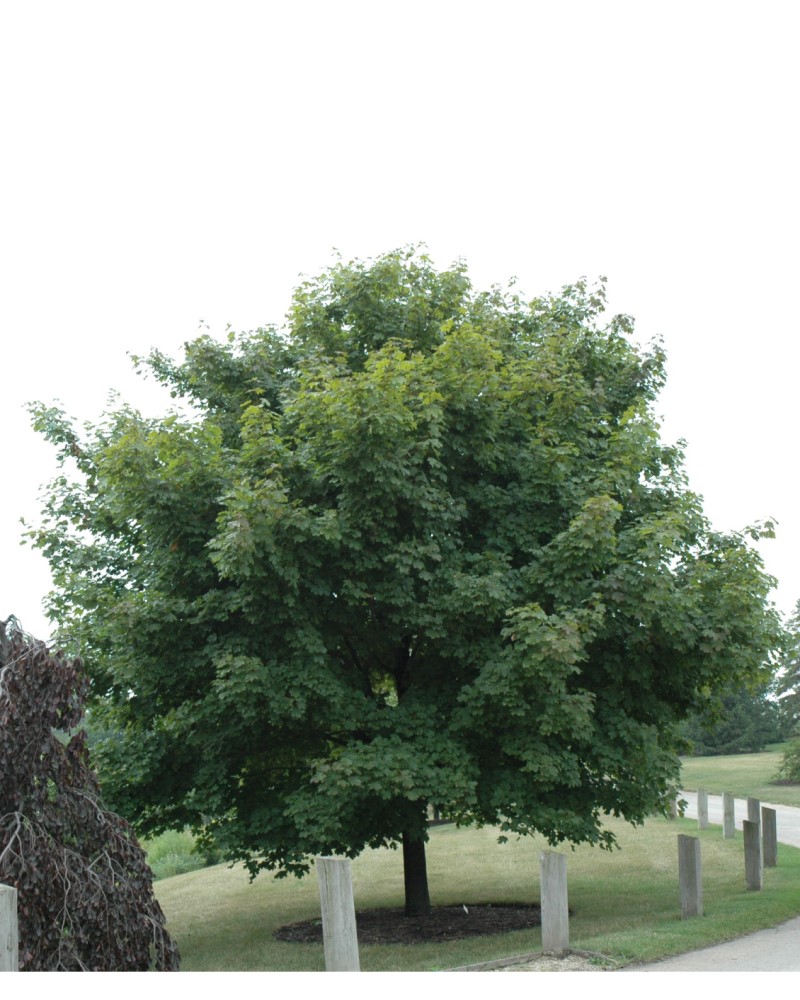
<point>85,892</point>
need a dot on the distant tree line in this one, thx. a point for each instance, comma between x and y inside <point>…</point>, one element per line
<point>747,719</point>
<point>742,721</point>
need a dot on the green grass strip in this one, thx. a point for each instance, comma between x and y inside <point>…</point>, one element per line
<point>747,774</point>
<point>625,903</point>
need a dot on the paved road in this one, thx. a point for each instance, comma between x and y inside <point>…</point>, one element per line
<point>788,818</point>
<point>774,950</point>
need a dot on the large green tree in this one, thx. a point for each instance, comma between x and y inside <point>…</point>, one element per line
<point>420,546</point>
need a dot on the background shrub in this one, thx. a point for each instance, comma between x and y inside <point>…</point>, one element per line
<point>789,771</point>
<point>176,852</point>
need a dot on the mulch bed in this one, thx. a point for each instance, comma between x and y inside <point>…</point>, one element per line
<point>445,923</point>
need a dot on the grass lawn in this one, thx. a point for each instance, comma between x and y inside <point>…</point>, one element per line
<point>624,903</point>
<point>742,774</point>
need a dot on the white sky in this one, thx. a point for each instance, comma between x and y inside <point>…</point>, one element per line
<point>163,163</point>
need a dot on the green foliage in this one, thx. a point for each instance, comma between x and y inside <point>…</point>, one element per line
<point>176,852</point>
<point>789,771</point>
<point>789,677</point>
<point>744,721</point>
<point>422,546</point>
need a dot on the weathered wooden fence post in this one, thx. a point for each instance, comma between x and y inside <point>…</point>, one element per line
<point>702,809</point>
<point>753,865</point>
<point>555,909</point>
<point>769,837</point>
<point>673,808</point>
<point>728,816</point>
<point>754,812</point>
<point>338,915</point>
<point>9,932</point>
<point>690,876</point>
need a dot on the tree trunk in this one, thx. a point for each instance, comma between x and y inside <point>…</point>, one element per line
<point>415,876</point>
<point>415,870</point>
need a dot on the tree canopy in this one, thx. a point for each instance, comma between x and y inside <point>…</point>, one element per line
<point>421,545</point>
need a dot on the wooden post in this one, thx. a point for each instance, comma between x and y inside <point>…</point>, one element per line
<point>9,931</point>
<point>690,877</point>
<point>702,809</point>
<point>339,935</point>
<point>728,817</point>
<point>673,808</point>
<point>754,816</point>
<point>555,911</point>
<point>753,866</point>
<point>769,837</point>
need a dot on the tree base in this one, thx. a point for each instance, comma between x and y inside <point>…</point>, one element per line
<point>444,923</point>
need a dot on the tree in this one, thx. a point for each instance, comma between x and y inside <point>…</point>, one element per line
<point>789,770</point>
<point>421,546</point>
<point>789,690</point>
<point>84,888</point>
<point>789,674</point>
<point>743,721</point>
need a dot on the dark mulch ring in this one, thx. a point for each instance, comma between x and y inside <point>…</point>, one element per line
<point>445,923</point>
